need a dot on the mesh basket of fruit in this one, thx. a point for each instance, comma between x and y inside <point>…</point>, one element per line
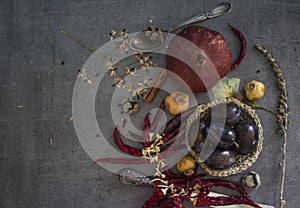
<point>232,144</point>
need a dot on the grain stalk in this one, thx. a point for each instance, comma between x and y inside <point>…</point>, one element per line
<point>283,112</point>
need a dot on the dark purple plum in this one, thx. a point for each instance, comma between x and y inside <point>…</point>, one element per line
<point>221,159</point>
<point>200,137</point>
<point>233,114</point>
<point>224,134</point>
<point>247,137</point>
<point>231,111</point>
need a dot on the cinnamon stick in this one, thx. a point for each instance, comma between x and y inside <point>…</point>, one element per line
<point>152,91</point>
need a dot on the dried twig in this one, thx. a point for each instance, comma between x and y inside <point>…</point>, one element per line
<point>283,114</point>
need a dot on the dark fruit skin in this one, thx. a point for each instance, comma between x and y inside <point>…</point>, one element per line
<point>226,135</point>
<point>247,137</point>
<point>233,114</point>
<point>221,159</point>
<point>197,146</point>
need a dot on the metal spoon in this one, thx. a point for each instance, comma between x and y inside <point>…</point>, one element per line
<point>150,40</point>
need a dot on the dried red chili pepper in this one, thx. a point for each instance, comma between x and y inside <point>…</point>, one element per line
<point>173,134</point>
<point>156,197</point>
<point>170,151</point>
<point>123,160</point>
<point>229,184</point>
<point>216,201</point>
<point>174,122</point>
<point>125,148</point>
<point>156,117</point>
<point>243,49</point>
<point>146,127</point>
<point>164,154</point>
<point>178,202</point>
<point>137,137</point>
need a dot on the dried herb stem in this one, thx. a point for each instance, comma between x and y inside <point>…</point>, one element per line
<point>283,114</point>
<point>82,43</point>
<point>256,106</point>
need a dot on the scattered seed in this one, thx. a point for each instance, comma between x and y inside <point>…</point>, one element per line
<point>50,140</point>
<point>123,122</point>
<point>20,106</point>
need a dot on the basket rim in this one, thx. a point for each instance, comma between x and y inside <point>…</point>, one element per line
<point>243,162</point>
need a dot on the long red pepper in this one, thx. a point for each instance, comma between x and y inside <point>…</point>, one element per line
<point>157,195</point>
<point>164,154</point>
<point>156,117</point>
<point>168,137</point>
<point>137,137</point>
<point>177,120</point>
<point>146,128</point>
<point>123,160</point>
<point>229,184</point>
<point>124,147</point>
<point>217,201</point>
<point>243,49</point>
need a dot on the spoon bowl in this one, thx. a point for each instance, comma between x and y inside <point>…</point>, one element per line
<point>153,38</point>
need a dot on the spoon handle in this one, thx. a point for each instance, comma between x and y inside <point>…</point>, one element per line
<point>133,177</point>
<point>220,9</point>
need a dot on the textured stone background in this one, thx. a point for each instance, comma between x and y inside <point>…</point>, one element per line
<point>34,173</point>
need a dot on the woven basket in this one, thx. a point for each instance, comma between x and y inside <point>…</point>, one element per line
<point>243,162</point>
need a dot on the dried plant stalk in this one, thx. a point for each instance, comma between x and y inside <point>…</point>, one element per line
<point>283,114</point>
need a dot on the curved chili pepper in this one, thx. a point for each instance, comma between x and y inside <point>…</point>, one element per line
<point>156,197</point>
<point>178,202</point>
<point>216,201</point>
<point>161,156</point>
<point>156,117</point>
<point>170,151</point>
<point>125,148</point>
<point>243,49</point>
<point>146,127</point>
<point>123,160</point>
<point>171,135</point>
<point>174,122</point>
<point>137,137</point>
<point>229,184</point>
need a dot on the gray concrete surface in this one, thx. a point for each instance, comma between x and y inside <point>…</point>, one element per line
<point>34,173</point>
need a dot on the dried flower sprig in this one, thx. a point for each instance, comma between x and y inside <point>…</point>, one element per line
<point>83,75</point>
<point>283,114</point>
<point>118,79</point>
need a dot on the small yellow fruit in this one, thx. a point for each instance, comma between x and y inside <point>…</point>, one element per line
<point>254,90</point>
<point>186,165</point>
<point>177,102</point>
